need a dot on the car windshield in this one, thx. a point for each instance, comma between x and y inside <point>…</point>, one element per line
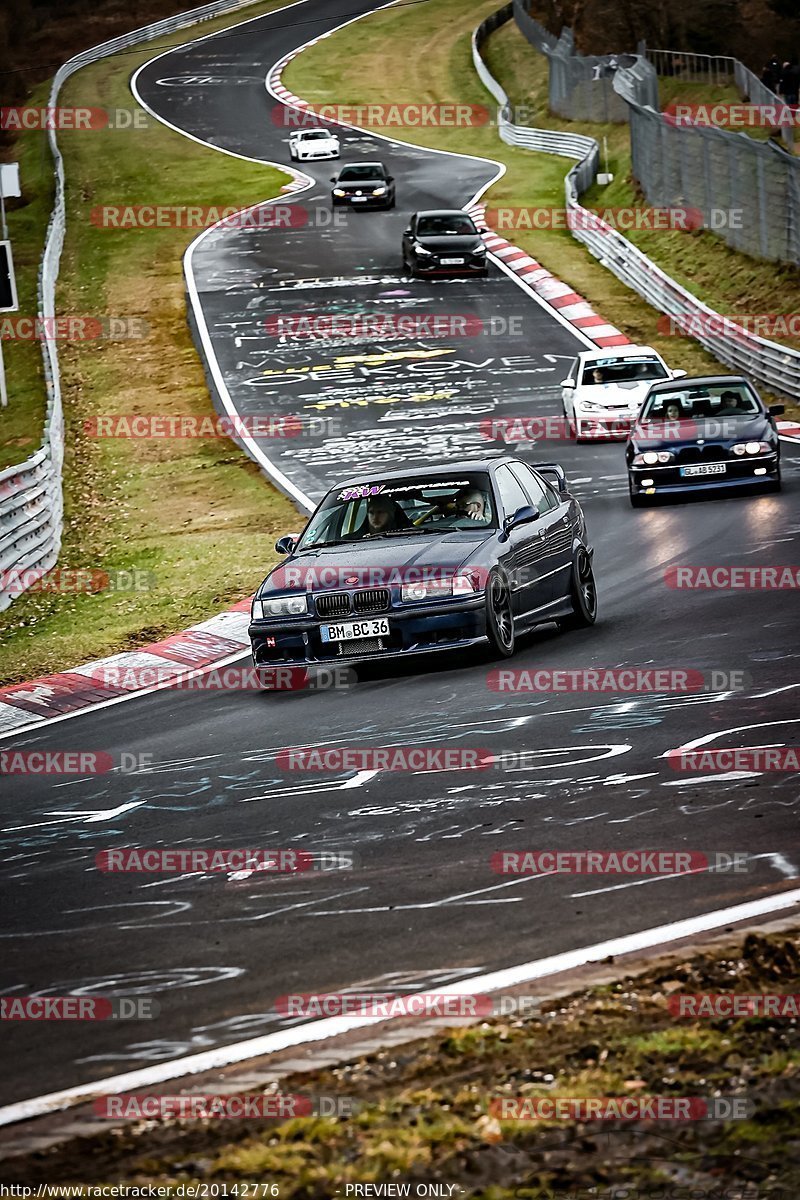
<point>733,400</point>
<point>623,370</point>
<point>361,171</point>
<point>315,134</point>
<point>402,508</point>
<point>455,223</point>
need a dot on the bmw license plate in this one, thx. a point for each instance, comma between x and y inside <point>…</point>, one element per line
<point>452,262</point>
<point>359,199</point>
<point>374,627</point>
<point>704,469</point>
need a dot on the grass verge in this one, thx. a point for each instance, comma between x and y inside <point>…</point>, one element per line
<point>423,1109</point>
<point>195,514</point>
<point>431,61</point>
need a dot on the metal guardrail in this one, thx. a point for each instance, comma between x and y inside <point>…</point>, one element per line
<point>775,366</point>
<point>31,494</point>
<point>545,141</point>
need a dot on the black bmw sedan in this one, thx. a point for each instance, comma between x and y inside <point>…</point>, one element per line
<point>709,432</point>
<point>443,242</point>
<point>415,561</point>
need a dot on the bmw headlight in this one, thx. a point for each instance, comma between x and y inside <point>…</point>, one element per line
<point>378,191</point>
<point>479,250</point>
<point>652,458</point>
<point>339,192</point>
<point>426,589</point>
<point>281,606</point>
<point>465,584</point>
<point>751,448</point>
<point>418,249</point>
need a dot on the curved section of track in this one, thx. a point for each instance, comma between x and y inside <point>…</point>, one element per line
<point>423,906</point>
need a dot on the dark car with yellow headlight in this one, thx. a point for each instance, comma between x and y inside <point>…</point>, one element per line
<point>417,561</point>
<point>709,433</point>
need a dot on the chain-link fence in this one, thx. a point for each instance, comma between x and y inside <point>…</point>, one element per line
<point>772,364</point>
<point>581,88</point>
<point>748,191</point>
<point>723,72</point>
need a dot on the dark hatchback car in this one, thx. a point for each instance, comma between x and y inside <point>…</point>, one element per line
<point>710,432</point>
<point>416,561</point>
<point>443,242</point>
<point>363,185</point>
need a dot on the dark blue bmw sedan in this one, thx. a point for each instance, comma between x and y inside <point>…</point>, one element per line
<point>709,432</point>
<point>420,560</point>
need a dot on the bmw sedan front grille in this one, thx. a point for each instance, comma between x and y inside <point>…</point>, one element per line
<point>711,452</point>
<point>371,600</point>
<point>333,604</point>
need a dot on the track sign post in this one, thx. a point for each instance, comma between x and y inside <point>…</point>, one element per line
<point>8,303</point>
<point>8,284</point>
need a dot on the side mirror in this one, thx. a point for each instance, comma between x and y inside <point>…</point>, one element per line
<point>776,410</point>
<point>390,178</point>
<point>333,179</point>
<point>287,543</point>
<point>407,231</point>
<point>679,374</point>
<point>522,516</point>
<point>570,382</point>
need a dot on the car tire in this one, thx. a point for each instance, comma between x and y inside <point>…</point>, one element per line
<point>583,593</point>
<point>499,617</point>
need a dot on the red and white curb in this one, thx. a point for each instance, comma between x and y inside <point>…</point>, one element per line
<point>570,305</point>
<point>214,642</point>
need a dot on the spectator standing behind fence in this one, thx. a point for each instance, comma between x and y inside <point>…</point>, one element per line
<point>771,75</point>
<point>789,82</point>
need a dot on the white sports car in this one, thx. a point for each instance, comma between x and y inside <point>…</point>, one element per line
<point>605,389</point>
<point>313,143</point>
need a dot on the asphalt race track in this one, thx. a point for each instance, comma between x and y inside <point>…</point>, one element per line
<point>422,905</point>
